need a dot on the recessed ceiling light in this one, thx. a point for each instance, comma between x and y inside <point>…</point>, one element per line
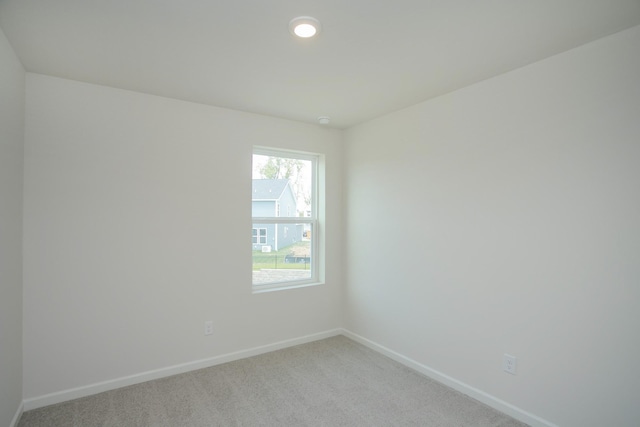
<point>304,26</point>
<point>324,120</point>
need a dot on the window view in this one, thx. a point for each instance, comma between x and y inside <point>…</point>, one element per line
<point>260,236</point>
<point>283,208</point>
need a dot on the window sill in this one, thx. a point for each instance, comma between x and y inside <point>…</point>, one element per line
<point>260,289</point>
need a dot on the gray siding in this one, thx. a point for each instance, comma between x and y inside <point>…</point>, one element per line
<point>284,205</point>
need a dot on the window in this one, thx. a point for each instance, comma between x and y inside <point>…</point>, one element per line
<point>259,236</point>
<point>284,248</point>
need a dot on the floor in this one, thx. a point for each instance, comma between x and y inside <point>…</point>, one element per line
<point>331,382</point>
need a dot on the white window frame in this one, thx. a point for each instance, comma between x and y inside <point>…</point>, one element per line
<point>259,236</point>
<point>317,263</point>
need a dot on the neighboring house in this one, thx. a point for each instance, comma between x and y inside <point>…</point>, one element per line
<point>274,198</point>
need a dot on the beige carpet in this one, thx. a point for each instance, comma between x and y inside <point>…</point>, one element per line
<point>332,382</point>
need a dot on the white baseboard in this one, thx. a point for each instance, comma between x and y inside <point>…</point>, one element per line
<point>16,417</point>
<point>479,395</point>
<point>88,390</point>
<point>75,393</point>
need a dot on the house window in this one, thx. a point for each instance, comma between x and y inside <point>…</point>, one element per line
<point>293,241</point>
<point>259,236</point>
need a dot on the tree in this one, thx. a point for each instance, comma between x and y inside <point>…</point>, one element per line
<point>287,168</point>
<point>281,168</point>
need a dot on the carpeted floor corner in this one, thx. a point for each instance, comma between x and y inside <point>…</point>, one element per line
<point>332,382</point>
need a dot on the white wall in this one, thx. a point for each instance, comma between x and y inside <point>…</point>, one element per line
<point>499,218</point>
<point>137,223</point>
<point>12,85</point>
<point>505,217</point>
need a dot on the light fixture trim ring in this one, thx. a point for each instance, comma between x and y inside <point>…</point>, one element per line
<point>302,27</point>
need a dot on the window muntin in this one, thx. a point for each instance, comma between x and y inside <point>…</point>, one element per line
<point>259,236</point>
<point>288,254</point>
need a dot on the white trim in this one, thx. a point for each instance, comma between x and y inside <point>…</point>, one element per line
<point>279,286</point>
<point>487,399</point>
<point>317,215</point>
<point>284,152</point>
<point>16,417</point>
<point>88,390</point>
<point>283,220</point>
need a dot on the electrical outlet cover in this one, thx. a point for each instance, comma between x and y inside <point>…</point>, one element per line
<point>509,364</point>
<point>208,327</point>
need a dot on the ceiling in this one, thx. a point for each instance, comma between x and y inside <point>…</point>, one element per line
<point>372,56</point>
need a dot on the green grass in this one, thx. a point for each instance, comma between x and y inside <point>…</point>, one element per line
<point>275,259</point>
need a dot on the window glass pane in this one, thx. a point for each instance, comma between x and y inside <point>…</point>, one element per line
<point>292,261</point>
<point>281,187</point>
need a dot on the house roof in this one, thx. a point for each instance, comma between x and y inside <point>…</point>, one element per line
<point>268,189</point>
